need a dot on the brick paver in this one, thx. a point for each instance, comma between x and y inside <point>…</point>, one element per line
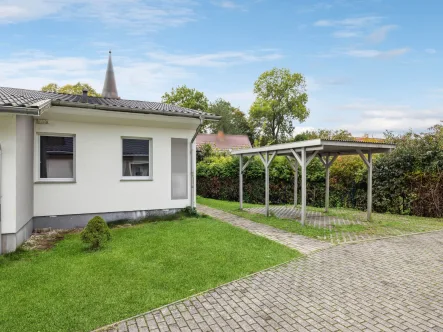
<point>393,284</point>
<point>301,243</point>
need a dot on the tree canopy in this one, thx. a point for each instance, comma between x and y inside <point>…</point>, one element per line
<point>233,120</point>
<point>76,89</point>
<point>186,97</point>
<point>281,98</point>
<point>341,134</point>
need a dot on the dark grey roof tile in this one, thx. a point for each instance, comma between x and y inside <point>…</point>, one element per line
<point>25,98</point>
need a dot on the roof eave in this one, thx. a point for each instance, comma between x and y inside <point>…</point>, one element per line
<point>133,110</point>
<point>19,110</point>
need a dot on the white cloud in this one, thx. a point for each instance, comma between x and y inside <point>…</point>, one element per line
<point>373,117</point>
<point>356,22</point>
<point>376,53</point>
<point>381,33</point>
<point>430,51</point>
<point>345,34</point>
<point>136,78</point>
<point>302,129</point>
<point>219,59</point>
<point>242,99</point>
<point>229,5</point>
<point>136,15</point>
<point>355,27</point>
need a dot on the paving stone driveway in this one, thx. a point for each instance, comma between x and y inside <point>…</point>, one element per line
<point>301,243</point>
<point>393,284</point>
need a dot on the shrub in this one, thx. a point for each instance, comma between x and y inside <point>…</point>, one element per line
<point>190,212</point>
<point>96,233</point>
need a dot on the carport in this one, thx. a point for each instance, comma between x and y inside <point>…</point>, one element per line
<point>300,154</point>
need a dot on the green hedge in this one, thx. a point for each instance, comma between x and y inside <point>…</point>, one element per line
<point>406,181</point>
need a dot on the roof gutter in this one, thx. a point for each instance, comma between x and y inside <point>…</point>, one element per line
<point>20,110</point>
<point>132,110</point>
<point>191,151</point>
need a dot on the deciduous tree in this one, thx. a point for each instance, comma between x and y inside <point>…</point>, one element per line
<point>280,99</point>
<point>76,89</point>
<point>186,97</point>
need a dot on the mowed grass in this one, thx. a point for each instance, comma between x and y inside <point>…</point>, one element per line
<point>68,288</point>
<point>284,224</point>
<point>381,224</point>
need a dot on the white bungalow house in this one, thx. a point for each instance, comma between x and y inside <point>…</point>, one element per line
<point>65,158</point>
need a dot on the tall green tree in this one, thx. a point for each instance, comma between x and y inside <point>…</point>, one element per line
<point>233,121</point>
<point>281,98</point>
<point>186,97</point>
<point>76,89</point>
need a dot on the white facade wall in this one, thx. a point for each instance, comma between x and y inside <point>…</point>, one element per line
<point>98,186</point>
<point>8,173</point>
<point>24,171</point>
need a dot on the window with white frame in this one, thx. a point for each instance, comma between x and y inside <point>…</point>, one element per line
<point>137,158</point>
<point>57,157</point>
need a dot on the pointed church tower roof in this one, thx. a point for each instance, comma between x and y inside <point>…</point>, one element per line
<point>110,87</point>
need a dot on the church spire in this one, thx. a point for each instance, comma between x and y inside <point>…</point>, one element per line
<point>110,87</point>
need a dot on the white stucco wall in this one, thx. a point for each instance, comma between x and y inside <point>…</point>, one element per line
<point>8,173</point>
<point>98,163</point>
<point>24,170</point>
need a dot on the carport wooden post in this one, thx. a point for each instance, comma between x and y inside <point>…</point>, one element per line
<point>369,185</point>
<point>327,163</point>
<point>327,184</point>
<point>240,194</point>
<point>303,186</point>
<point>295,169</point>
<point>368,163</point>
<point>266,163</point>
<point>295,183</point>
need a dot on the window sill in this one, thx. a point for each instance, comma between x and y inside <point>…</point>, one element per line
<point>136,178</point>
<point>54,181</point>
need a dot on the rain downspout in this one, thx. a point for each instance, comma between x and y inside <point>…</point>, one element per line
<point>202,118</point>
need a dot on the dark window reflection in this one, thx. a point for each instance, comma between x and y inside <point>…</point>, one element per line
<point>56,157</point>
<point>135,157</point>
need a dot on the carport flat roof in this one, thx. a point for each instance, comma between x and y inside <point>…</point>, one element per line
<point>322,146</point>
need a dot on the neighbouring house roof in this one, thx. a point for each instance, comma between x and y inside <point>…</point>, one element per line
<point>33,102</point>
<point>370,139</point>
<point>224,142</point>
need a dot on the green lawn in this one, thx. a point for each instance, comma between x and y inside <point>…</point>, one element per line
<point>381,224</point>
<point>145,266</point>
<point>284,224</point>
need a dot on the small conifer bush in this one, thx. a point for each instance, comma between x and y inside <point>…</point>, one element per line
<point>96,233</point>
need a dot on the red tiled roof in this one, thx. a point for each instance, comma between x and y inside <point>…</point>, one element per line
<point>224,142</point>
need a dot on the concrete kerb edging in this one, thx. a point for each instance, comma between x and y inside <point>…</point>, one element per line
<point>104,328</point>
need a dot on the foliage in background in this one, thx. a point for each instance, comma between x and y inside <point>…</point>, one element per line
<point>96,233</point>
<point>186,97</point>
<point>76,89</point>
<point>407,181</point>
<point>233,121</point>
<point>340,134</point>
<point>280,100</point>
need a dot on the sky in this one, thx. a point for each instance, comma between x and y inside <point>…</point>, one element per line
<point>370,65</point>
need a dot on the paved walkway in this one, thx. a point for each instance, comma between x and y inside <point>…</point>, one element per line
<point>301,243</point>
<point>393,284</point>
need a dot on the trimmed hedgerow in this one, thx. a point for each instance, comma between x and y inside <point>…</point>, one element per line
<point>407,181</point>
